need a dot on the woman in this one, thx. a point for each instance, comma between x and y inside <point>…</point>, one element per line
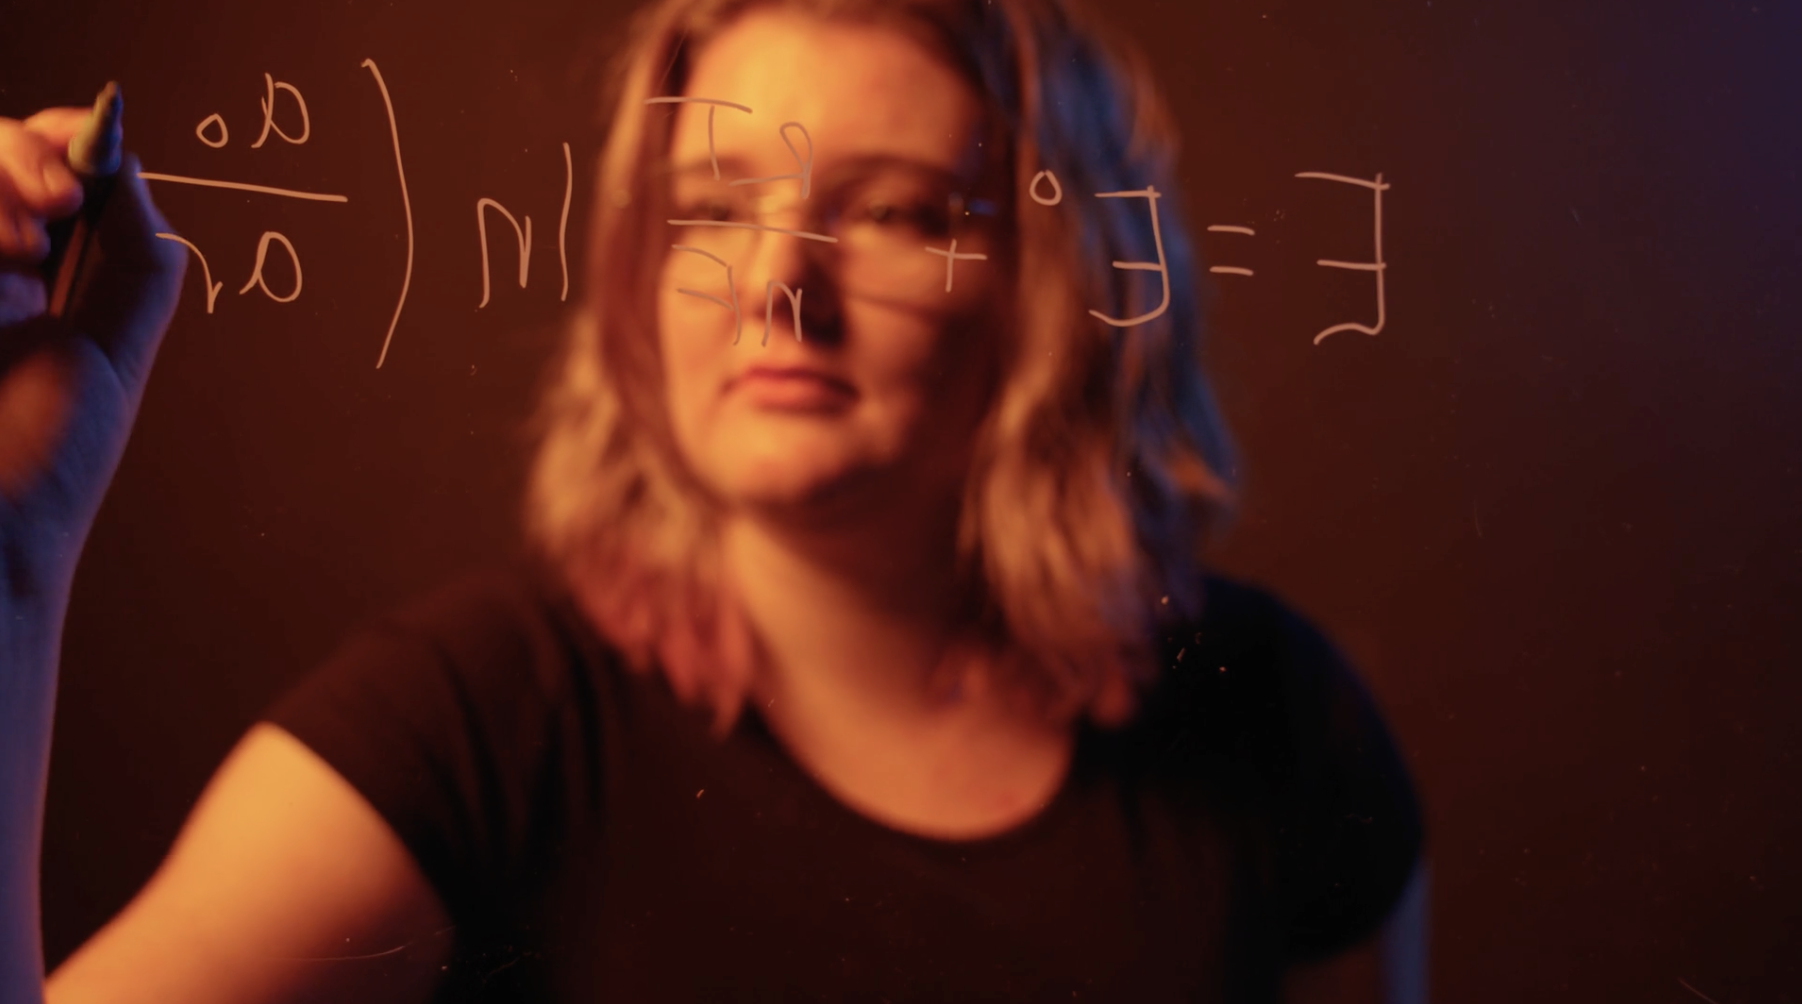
<point>862,648</point>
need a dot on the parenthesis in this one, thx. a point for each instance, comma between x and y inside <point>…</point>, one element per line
<point>406,204</point>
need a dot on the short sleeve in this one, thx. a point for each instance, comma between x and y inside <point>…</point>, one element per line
<point>1350,827</point>
<point>440,715</point>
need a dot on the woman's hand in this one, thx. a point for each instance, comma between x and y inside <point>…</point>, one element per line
<point>70,386</point>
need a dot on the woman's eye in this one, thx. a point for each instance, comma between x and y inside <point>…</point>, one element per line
<point>716,210</point>
<point>921,216</point>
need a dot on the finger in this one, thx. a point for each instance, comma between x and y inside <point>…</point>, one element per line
<point>9,228</point>
<point>34,240</point>
<point>58,193</point>
<point>23,240</point>
<point>35,171</point>
<point>22,297</point>
<point>58,125</point>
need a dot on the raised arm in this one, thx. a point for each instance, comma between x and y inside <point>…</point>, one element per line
<point>283,870</point>
<point>69,388</point>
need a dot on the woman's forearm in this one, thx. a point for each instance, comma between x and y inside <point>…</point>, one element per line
<point>30,646</point>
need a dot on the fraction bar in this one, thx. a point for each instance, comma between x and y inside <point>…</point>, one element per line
<point>242,187</point>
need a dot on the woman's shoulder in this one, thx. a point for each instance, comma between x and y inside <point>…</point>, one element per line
<point>452,710</point>
<point>1245,636</point>
<point>1255,681</point>
<point>1248,612</point>
<point>509,612</point>
<point>480,600</point>
<point>495,647</point>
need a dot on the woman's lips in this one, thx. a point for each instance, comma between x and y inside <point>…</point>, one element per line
<point>793,389</point>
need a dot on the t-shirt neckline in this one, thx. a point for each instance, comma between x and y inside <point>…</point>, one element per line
<point>755,729</point>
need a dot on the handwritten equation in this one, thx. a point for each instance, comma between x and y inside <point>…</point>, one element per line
<point>290,122</point>
<point>214,132</point>
<point>1376,265</point>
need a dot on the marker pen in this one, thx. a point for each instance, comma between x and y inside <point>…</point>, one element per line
<point>94,153</point>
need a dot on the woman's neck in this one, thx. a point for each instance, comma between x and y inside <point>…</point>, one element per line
<point>857,621</point>
<point>852,637</point>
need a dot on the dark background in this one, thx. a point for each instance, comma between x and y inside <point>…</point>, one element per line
<point>1551,510</point>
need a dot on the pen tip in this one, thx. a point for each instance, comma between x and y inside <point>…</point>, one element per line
<point>94,150</point>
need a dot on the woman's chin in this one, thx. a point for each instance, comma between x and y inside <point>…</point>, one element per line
<point>795,490</point>
<point>799,490</point>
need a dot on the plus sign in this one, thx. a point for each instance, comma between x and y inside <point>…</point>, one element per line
<point>952,258</point>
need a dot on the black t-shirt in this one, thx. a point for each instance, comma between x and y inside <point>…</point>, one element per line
<point>593,843</point>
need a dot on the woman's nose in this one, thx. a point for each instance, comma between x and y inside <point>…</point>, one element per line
<point>777,256</point>
<point>782,281</point>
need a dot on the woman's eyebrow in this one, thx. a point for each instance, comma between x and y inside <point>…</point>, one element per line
<point>870,160</point>
<point>733,168</point>
<point>729,167</point>
<point>873,163</point>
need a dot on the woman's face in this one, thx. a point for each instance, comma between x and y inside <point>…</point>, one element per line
<point>897,167</point>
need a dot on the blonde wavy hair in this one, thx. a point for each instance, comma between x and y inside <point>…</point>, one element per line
<point>1102,468</point>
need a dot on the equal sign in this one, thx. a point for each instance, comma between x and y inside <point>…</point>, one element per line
<point>1222,228</point>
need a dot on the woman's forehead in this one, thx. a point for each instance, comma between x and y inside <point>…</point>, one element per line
<point>856,88</point>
